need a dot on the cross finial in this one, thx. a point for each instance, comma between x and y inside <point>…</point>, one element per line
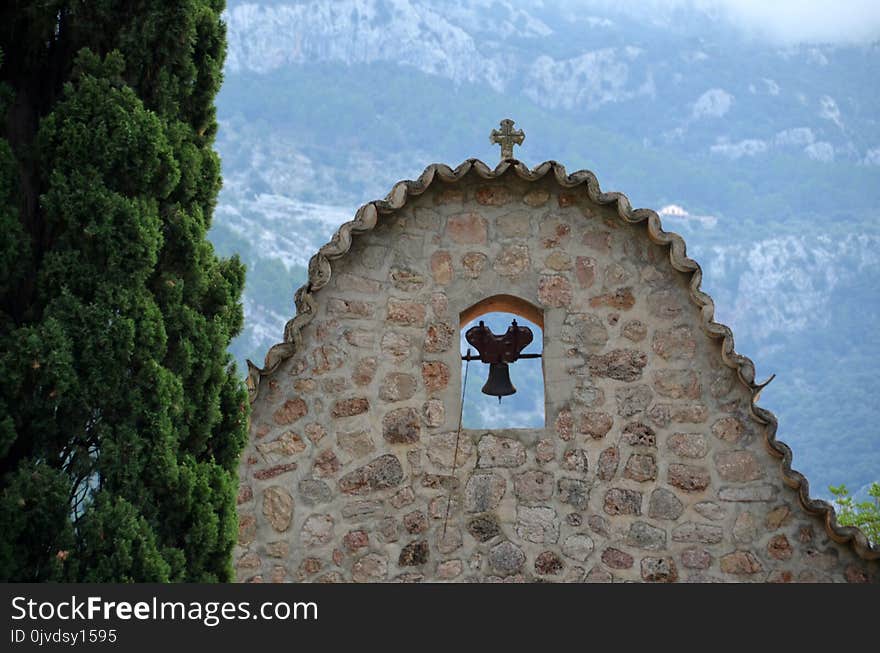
<point>507,137</point>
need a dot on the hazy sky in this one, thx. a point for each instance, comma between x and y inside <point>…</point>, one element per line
<point>785,21</point>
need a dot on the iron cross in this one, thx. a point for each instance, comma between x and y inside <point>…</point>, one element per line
<point>507,138</point>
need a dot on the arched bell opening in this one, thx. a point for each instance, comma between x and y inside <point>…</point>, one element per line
<point>506,321</point>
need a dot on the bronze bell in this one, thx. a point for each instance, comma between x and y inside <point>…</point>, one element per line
<point>497,352</point>
<point>498,384</point>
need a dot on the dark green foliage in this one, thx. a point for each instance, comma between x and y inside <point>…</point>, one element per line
<point>36,531</point>
<point>121,414</point>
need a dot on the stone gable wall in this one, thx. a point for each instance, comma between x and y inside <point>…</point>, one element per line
<point>649,467</point>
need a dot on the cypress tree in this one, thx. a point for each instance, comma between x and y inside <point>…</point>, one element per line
<point>121,413</point>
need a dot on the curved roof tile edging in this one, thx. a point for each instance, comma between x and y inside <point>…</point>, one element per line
<point>367,216</point>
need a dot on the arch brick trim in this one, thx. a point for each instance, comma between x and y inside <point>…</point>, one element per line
<point>503,304</point>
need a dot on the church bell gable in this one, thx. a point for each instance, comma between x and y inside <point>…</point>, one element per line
<point>655,462</point>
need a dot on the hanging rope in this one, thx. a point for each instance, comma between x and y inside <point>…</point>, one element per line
<point>457,437</point>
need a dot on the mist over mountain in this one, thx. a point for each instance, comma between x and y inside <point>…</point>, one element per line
<point>764,153</point>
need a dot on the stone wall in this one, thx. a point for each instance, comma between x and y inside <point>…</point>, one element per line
<point>649,468</point>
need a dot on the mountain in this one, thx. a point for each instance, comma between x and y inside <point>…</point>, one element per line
<point>766,158</point>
